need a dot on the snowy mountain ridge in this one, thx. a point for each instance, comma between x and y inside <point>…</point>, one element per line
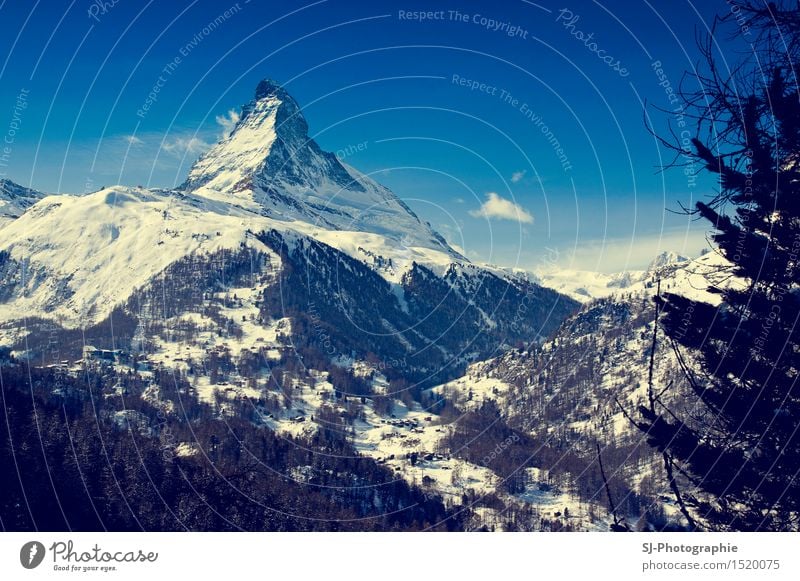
<point>583,285</point>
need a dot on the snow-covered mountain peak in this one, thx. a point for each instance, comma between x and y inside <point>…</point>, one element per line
<point>270,148</point>
<point>666,258</point>
<point>271,88</point>
<point>270,165</point>
<point>238,157</point>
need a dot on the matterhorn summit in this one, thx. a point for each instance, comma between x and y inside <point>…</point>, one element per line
<point>269,164</point>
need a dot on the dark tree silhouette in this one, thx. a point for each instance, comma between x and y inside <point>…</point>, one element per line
<point>738,453</point>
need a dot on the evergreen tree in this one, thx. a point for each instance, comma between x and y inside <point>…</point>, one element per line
<point>736,454</point>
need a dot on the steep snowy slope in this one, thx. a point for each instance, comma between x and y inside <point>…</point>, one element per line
<point>269,164</point>
<point>15,199</point>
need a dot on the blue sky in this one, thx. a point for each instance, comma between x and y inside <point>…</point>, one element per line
<point>499,122</point>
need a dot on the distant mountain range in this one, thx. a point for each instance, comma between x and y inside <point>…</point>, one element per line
<point>584,285</point>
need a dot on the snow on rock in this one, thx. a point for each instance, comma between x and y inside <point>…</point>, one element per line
<point>15,200</point>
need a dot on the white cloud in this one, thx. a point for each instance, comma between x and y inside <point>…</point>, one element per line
<point>228,121</point>
<point>502,209</point>
<point>517,176</point>
<point>180,146</point>
<point>132,139</point>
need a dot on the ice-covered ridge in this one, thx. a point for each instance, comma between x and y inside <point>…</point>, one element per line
<point>77,257</point>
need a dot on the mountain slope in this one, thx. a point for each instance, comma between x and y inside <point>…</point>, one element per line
<point>603,348</point>
<point>15,199</point>
<point>78,257</point>
<point>568,394</point>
